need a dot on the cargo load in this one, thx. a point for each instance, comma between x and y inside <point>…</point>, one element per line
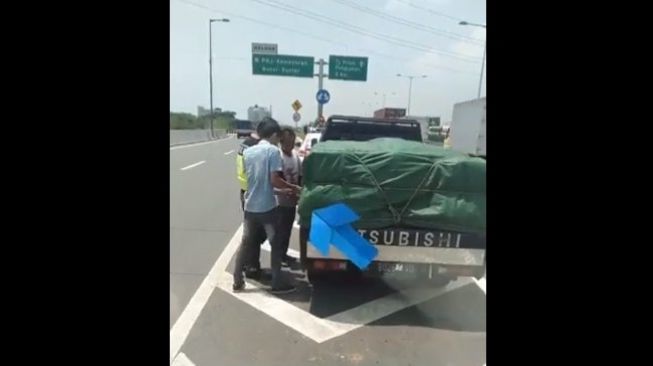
<point>394,182</point>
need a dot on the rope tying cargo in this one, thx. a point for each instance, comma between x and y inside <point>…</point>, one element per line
<point>396,216</point>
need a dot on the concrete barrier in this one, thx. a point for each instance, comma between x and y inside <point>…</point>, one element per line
<point>182,137</point>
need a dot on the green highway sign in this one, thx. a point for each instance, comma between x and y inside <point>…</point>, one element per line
<point>283,65</point>
<point>348,68</point>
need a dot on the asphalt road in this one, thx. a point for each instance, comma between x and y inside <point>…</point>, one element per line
<point>376,322</point>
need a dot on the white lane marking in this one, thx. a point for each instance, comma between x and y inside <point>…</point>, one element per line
<point>392,303</point>
<point>188,317</point>
<point>193,165</point>
<point>182,360</point>
<point>291,252</point>
<point>228,152</point>
<point>481,284</point>
<point>296,225</point>
<point>319,329</point>
<point>199,143</point>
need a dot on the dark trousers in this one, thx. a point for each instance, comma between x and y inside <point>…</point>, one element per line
<point>253,262</point>
<point>285,223</point>
<point>253,222</point>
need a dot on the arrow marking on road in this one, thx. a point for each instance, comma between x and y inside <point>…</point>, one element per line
<point>182,360</point>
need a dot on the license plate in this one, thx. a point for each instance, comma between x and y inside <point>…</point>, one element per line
<point>389,267</point>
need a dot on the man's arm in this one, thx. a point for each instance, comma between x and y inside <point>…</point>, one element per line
<point>276,167</point>
<point>280,183</point>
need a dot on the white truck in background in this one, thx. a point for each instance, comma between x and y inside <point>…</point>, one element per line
<point>467,133</point>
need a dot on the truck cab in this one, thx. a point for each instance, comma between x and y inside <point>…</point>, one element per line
<point>353,128</point>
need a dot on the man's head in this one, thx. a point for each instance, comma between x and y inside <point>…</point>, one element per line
<point>287,140</point>
<point>269,129</point>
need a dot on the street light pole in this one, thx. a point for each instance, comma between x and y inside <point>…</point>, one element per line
<point>480,83</point>
<point>410,88</point>
<point>225,20</point>
<point>410,92</point>
<point>482,68</point>
<point>384,96</point>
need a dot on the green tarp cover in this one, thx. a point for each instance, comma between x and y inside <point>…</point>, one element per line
<point>393,182</point>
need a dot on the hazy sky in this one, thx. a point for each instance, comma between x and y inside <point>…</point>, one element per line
<point>449,79</point>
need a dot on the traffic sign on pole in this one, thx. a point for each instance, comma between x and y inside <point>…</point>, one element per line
<point>283,65</point>
<point>348,68</point>
<point>296,105</point>
<point>264,48</point>
<point>322,96</point>
<point>296,117</point>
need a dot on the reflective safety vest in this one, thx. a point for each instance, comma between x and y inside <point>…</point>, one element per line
<point>240,161</point>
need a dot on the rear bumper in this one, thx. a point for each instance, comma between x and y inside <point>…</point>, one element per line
<point>424,270</point>
<point>452,262</point>
<point>441,256</point>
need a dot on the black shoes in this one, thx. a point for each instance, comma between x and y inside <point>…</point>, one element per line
<point>283,289</point>
<point>238,287</point>
<point>288,261</point>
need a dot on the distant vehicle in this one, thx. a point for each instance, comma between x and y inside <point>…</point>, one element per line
<point>244,128</point>
<point>310,140</point>
<point>390,113</point>
<point>467,131</point>
<point>366,128</point>
<point>428,125</point>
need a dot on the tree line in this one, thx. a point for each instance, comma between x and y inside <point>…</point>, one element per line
<point>186,121</point>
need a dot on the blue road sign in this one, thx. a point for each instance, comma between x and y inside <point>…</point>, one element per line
<point>332,225</point>
<point>322,96</point>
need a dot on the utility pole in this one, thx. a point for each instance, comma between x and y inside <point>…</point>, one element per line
<point>224,20</point>
<point>320,83</point>
<point>410,87</point>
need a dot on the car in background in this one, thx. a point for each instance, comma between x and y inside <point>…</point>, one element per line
<point>244,128</point>
<point>314,130</point>
<point>310,140</point>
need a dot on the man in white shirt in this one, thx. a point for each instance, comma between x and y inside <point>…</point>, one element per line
<point>263,167</point>
<point>287,201</point>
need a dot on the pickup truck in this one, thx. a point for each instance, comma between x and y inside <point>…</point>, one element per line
<point>425,252</point>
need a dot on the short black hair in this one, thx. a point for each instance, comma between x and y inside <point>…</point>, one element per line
<point>268,127</point>
<point>288,129</point>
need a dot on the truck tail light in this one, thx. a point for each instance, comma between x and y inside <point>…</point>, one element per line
<point>332,265</point>
<point>318,264</point>
<point>337,265</point>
